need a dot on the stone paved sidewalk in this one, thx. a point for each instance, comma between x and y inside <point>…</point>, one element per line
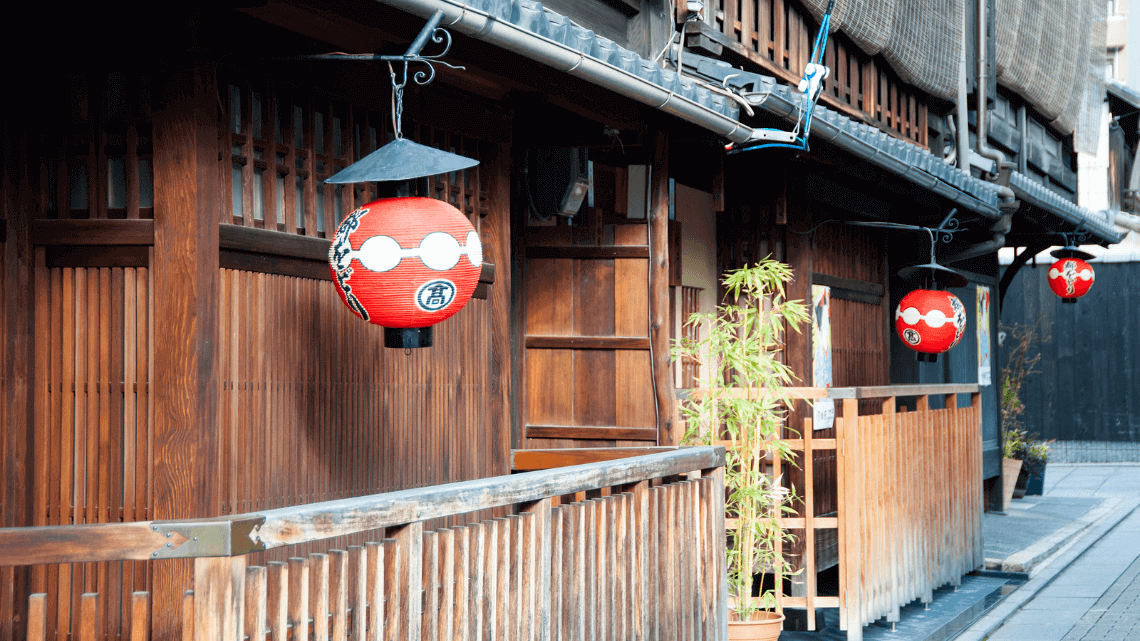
<point>1095,598</point>
<point>1116,615</point>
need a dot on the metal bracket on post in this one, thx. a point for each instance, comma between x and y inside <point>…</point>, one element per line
<point>194,539</point>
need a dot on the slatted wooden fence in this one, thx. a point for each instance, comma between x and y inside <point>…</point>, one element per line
<point>910,503</point>
<point>642,557</point>
<point>909,490</point>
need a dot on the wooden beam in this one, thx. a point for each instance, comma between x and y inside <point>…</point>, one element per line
<point>744,392</point>
<point>587,342</point>
<point>661,371</point>
<point>185,272</point>
<point>93,232</point>
<point>850,289</point>
<point>901,390</point>
<point>273,243</point>
<point>592,432</point>
<point>529,460</point>
<point>590,252</point>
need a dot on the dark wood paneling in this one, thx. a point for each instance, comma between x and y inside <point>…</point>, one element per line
<point>104,256</point>
<point>586,342</point>
<point>93,232</point>
<point>597,433</point>
<point>596,252</point>
<point>275,264</point>
<point>274,243</point>
<point>526,460</point>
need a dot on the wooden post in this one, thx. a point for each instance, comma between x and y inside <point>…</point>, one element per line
<point>410,541</point>
<point>667,430</point>
<point>893,453</point>
<point>17,443</point>
<point>541,510</point>
<point>185,272</point>
<point>219,598</point>
<point>495,233</point>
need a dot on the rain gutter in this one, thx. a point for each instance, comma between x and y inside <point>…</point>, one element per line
<point>528,29</point>
<point>494,22</point>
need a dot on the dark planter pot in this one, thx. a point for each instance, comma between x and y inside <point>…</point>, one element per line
<point>1035,484</point>
<point>1022,483</point>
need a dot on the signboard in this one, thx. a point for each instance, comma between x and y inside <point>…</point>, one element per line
<point>984,352</point>
<point>823,409</point>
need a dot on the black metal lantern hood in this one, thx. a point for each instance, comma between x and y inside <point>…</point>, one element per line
<point>402,159</point>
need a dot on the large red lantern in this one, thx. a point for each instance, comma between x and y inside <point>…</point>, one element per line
<point>1071,278</point>
<point>930,321</point>
<point>406,264</point>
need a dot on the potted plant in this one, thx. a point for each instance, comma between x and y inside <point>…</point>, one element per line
<point>1022,454</point>
<point>742,406</point>
<point>1033,454</point>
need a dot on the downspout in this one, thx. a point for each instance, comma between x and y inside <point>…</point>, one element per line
<point>962,137</point>
<point>1023,131</point>
<point>1007,199</point>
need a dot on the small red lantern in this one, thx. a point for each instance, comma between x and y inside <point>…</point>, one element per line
<point>930,321</point>
<point>1071,278</point>
<point>406,264</point>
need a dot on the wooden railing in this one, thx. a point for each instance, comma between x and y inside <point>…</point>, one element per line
<point>910,496</point>
<point>908,486</point>
<point>640,556</point>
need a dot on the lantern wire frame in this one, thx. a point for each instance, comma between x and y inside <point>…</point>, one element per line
<point>403,159</point>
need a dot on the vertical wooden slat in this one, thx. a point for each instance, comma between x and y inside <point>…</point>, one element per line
<point>557,577</point>
<point>502,594</point>
<point>573,544</point>
<point>255,602</point>
<point>277,600</point>
<point>357,592</point>
<point>338,593</point>
<point>541,560</point>
<point>446,577</point>
<point>429,622</point>
<point>188,615</point>
<point>410,550</point>
<point>319,595</point>
<point>37,617</point>
<point>461,571</point>
<point>219,586</point>
<point>299,596</point>
<point>394,623</point>
<point>140,616</point>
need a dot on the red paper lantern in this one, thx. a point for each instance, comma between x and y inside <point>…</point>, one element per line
<point>405,262</point>
<point>930,321</point>
<point>1071,278</point>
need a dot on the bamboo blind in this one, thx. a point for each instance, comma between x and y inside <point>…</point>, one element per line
<point>779,34</point>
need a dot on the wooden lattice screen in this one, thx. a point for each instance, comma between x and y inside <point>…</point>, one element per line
<point>285,142</point>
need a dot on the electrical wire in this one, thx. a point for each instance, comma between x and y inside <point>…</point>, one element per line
<point>805,116</point>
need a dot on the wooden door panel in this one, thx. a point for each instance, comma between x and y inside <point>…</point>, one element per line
<point>546,315</point>
<point>597,393</point>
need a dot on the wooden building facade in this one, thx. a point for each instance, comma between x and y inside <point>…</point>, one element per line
<point>174,347</point>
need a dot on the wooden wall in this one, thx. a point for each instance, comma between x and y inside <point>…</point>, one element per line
<point>289,398</point>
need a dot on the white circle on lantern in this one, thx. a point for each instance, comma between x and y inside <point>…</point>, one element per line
<point>911,335</point>
<point>434,295</point>
<point>379,254</point>
<point>439,251</point>
<point>474,249</point>
<point>934,318</point>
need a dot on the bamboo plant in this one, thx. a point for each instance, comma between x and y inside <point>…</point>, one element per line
<point>740,349</point>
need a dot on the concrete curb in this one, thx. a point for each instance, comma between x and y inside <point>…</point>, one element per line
<point>1029,559</point>
<point>1044,572</point>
